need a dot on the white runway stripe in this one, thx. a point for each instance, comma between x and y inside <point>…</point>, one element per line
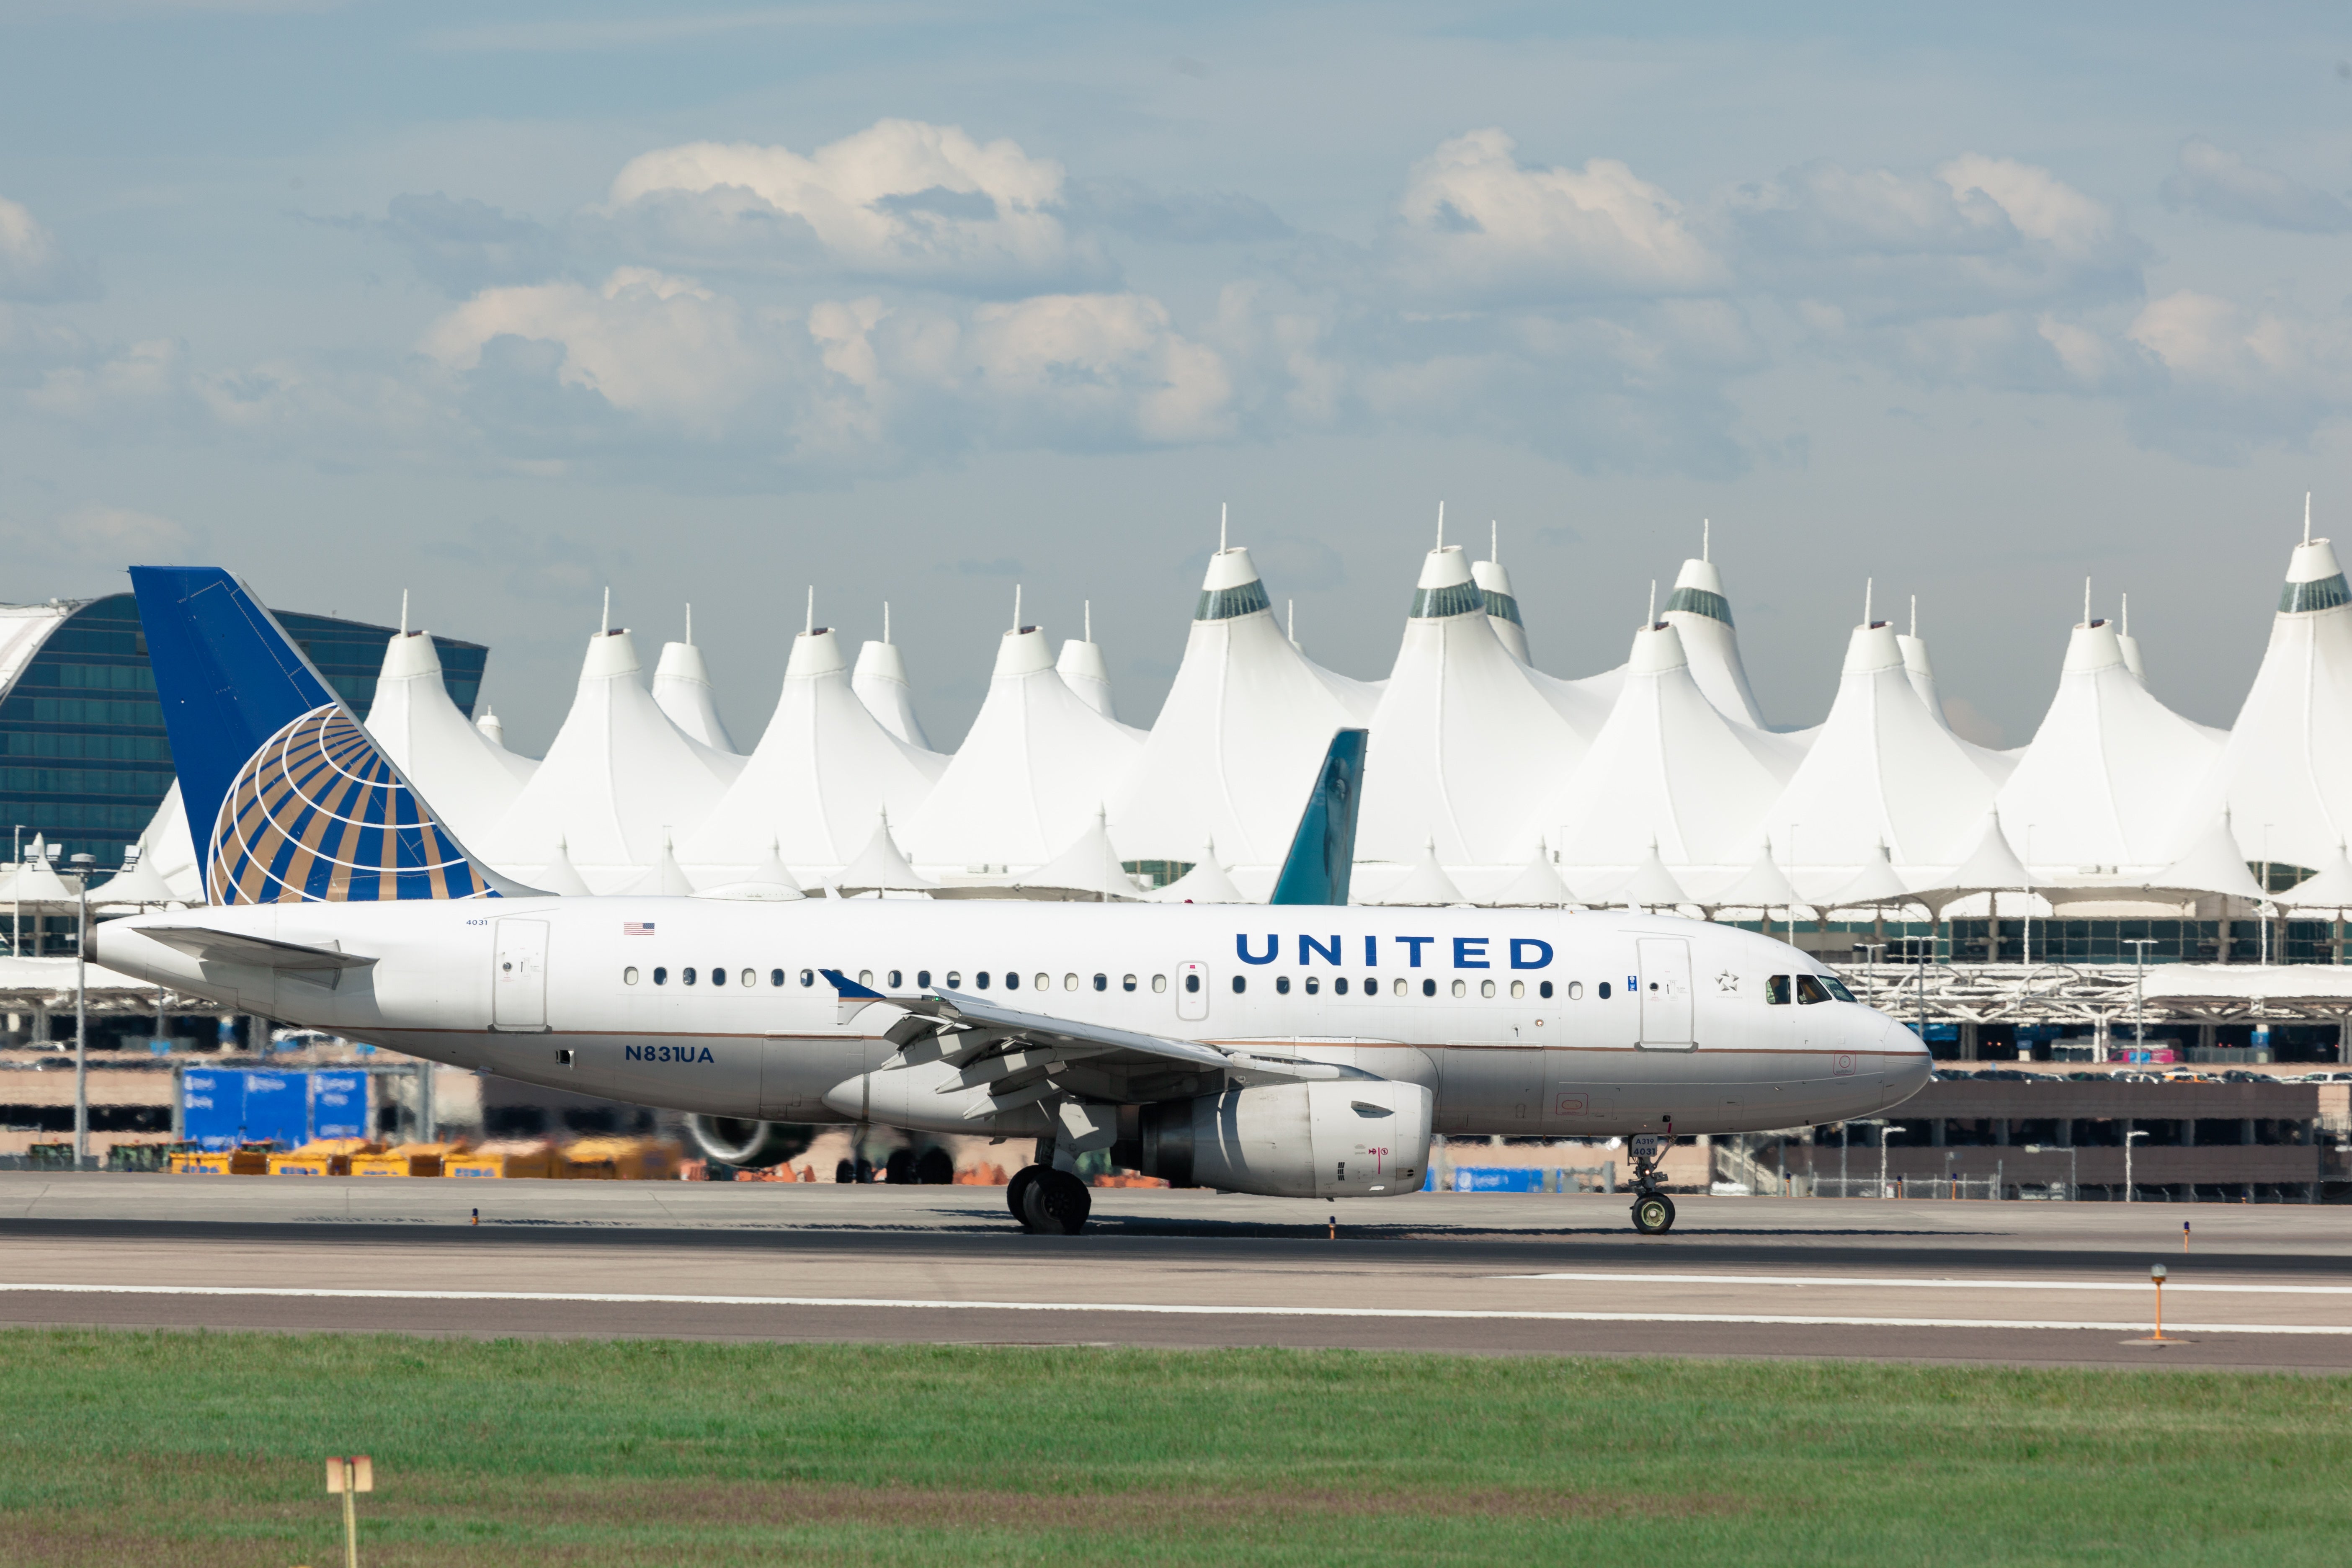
<point>1423,1313</point>
<point>1898,1281</point>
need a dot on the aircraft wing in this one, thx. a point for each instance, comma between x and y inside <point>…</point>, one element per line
<point>988,1042</point>
<point>261,951</point>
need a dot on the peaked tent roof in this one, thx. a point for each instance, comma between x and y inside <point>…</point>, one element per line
<point>1763,886</point>
<point>1463,745</point>
<point>618,778</point>
<point>769,881</point>
<point>468,779</point>
<point>1036,765</point>
<point>1882,771</point>
<point>137,883</point>
<point>2330,888</point>
<point>1651,886</point>
<point>1537,885</point>
<point>1425,884</point>
<point>880,683</point>
<point>1668,769</point>
<point>165,846</point>
<point>2285,773</point>
<point>2212,862</point>
<point>1875,885</point>
<point>682,689</point>
<point>560,876</point>
<point>824,766</point>
<point>2109,774</point>
<point>1205,883</point>
<point>1090,865</point>
<point>1241,735</point>
<point>1922,673</point>
<point>1989,866</point>
<point>33,884</point>
<point>663,879</point>
<point>880,866</point>
<point>1698,610</point>
<point>1084,671</point>
<point>1502,607</point>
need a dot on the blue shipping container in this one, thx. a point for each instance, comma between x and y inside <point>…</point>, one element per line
<point>223,1107</point>
<point>339,1105</point>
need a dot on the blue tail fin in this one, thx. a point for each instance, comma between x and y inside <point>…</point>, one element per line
<point>288,799</point>
<point>1323,852</point>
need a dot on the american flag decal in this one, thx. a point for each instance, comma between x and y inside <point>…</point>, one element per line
<point>636,927</point>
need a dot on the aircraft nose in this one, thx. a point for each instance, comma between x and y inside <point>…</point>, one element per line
<point>1909,1064</point>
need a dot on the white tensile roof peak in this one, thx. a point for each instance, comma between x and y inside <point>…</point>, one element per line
<point>1090,864</point>
<point>1229,568</point>
<point>1426,884</point>
<point>882,866</point>
<point>1205,883</point>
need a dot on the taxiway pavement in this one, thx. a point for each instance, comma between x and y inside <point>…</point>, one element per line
<point>2264,1287</point>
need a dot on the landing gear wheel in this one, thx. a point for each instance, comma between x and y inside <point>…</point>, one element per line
<point>1654,1213</point>
<point>1057,1204</point>
<point>1016,1194</point>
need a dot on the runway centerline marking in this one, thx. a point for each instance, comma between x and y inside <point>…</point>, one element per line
<point>1941,1283</point>
<point>608,1297</point>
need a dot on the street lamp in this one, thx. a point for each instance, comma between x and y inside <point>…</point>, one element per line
<point>1884,1133</point>
<point>2045,1149</point>
<point>2129,1134</point>
<point>2139,946</point>
<point>81,865</point>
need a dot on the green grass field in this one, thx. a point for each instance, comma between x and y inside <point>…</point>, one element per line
<point>206,1449</point>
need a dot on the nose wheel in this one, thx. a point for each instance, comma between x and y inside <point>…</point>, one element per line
<point>1654,1212</point>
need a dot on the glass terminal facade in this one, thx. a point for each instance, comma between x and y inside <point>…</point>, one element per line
<point>83,757</point>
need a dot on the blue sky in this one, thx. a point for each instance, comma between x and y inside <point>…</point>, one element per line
<point>503,304</point>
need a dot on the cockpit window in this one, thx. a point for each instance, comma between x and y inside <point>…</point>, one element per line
<point>1811,990</point>
<point>1776,991</point>
<point>1837,987</point>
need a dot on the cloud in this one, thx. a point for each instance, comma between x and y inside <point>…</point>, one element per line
<point>901,200</point>
<point>106,537</point>
<point>33,266</point>
<point>2238,379</point>
<point>1476,222</point>
<point>2223,184</point>
<point>551,567</point>
<point>463,245</point>
<point>1977,234</point>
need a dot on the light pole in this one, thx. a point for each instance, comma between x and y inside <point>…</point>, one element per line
<point>2130,1133</point>
<point>2139,946</point>
<point>2044,1149</point>
<point>1884,1133</point>
<point>81,865</point>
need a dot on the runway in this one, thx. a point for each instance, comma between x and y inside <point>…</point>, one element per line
<point>2019,1283</point>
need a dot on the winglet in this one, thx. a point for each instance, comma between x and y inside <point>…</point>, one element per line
<point>854,998</point>
<point>1323,851</point>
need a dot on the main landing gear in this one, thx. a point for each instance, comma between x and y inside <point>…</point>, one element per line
<point>1654,1212</point>
<point>1049,1202</point>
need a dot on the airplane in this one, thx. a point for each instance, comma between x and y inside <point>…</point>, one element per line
<point>1307,1048</point>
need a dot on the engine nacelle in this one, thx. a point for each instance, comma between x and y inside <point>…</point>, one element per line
<point>1355,1138</point>
<point>750,1145</point>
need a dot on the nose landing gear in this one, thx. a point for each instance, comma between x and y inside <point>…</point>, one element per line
<point>1654,1212</point>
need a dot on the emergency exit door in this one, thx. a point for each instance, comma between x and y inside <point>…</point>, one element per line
<point>518,980</point>
<point>1666,982</point>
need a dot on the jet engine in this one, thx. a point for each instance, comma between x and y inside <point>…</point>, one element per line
<point>748,1145</point>
<point>1351,1138</point>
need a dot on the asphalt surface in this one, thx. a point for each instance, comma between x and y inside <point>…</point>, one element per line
<point>2266,1288</point>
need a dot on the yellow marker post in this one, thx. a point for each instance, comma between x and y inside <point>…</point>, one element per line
<point>2155,1275</point>
<point>2184,1236</point>
<point>351,1477</point>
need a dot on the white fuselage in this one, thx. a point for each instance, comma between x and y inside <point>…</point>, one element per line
<point>1650,1022</point>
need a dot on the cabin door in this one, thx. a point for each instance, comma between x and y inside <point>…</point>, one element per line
<point>518,978</point>
<point>1193,991</point>
<point>1665,982</point>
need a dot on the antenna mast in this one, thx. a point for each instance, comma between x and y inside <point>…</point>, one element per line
<point>1090,621</point>
<point>809,628</point>
<point>2086,601</point>
<point>1652,619</point>
<point>1867,584</point>
<point>2306,517</point>
<point>1440,525</point>
<point>885,623</point>
<point>1290,627</point>
<point>607,628</point>
<point>689,626</point>
<point>1706,532</point>
<point>1914,617</point>
<point>1016,606</point>
<point>1220,528</point>
<point>404,602</point>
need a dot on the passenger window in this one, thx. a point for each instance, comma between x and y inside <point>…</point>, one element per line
<point>1127,983</point>
<point>865,977</point>
<point>1102,983</point>
<point>1241,984</point>
<point>1372,985</point>
<point>1543,989</point>
<point>1776,991</point>
<point>1313,984</point>
<point>1429,987</point>
<point>1519,989</point>
<point>923,978</point>
<point>1461,988</point>
<point>1340,985</point>
<point>661,976</point>
<point>1811,990</point>
<point>717,975</point>
<point>1281,985</point>
<point>1045,982</point>
<point>1160,982</point>
<point>1400,987</point>
<point>749,977</point>
<point>955,981</point>
<point>894,980</point>
<point>629,975</point>
<point>1012,980</point>
<point>1486,987</point>
<point>808,976</point>
<point>1070,983</point>
<point>775,977</point>
<point>687,975</point>
<point>980,979</point>
<point>1575,990</point>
